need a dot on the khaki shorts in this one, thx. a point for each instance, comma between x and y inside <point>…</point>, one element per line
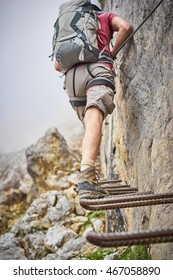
<point>101,96</point>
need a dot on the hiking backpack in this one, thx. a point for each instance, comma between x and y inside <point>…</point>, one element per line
<point>75,34</point>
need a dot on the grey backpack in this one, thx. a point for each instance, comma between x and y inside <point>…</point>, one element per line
<point>75,34</point>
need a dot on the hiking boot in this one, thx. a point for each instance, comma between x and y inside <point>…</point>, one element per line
<point>88,186</point>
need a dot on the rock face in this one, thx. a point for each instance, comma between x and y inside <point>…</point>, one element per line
<point>17,190</point>
<point>141,127</point>
<point>48,157</point>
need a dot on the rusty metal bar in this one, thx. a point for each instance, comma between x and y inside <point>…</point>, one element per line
<point>123,190</point>
<point>129,194</point>
<point>126,194</point>
<point>128,204</point>
<point>115,186</point>
<point>130,238</point>
<point>105,181</point>
<point>115,193</point>
<point>120,199</point>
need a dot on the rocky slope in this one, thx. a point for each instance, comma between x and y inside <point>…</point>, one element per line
<point>40,212</point>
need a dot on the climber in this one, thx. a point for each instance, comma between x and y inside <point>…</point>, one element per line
<point>95,81</point>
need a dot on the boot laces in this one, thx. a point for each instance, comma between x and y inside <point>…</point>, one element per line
<point>94,176</point>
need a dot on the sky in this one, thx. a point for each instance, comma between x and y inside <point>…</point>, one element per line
<point>32,98</point>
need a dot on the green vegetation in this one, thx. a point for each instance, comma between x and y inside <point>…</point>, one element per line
<point>138,252</point>
<point>37,228</point>
<point>47,251</point>
<point>22,209</point>
<point>99,254</point>
<point>96,214</point>
<point>10,214</point>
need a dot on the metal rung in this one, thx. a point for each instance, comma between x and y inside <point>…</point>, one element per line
<point>130,194</point>
<point>121,193</point>
<point>123,190</point>
<point>115,193</point>
<point>130,238</point>
<point>107,187</point>
<point>126,201</point>
<point>105,181</point>
<point>138,196</point>
<point>127,204</point>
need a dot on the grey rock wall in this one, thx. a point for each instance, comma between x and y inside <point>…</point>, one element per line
<point>141,126</point>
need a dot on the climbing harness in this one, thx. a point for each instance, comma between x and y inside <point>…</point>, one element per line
<point>77,101</point>
<point>142,23</point>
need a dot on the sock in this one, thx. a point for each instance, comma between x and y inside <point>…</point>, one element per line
<point>87,163</point>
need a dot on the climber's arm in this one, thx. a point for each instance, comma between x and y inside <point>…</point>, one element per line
<point>123,29</point>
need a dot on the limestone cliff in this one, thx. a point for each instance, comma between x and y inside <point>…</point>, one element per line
<point>140,130</point>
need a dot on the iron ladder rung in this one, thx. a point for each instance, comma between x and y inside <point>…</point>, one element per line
<point>130,238</point>
<point>126,201</point>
